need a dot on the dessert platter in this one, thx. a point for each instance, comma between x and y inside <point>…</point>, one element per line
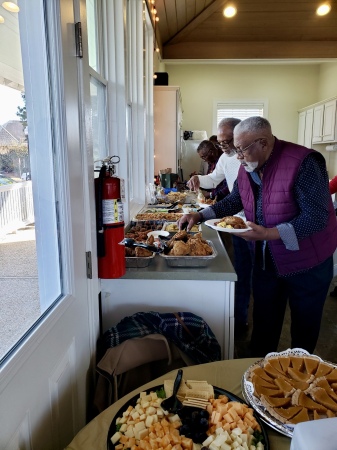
<point>228,224</point>
<point>290,387</point>
<point>208,417</point>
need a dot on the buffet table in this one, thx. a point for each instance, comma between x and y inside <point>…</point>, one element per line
<point>223,374</point>
<point>205,291</point>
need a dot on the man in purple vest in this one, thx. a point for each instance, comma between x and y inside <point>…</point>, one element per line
<point>284,191</point>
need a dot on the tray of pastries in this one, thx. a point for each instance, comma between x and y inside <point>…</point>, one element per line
<point>290,387</point>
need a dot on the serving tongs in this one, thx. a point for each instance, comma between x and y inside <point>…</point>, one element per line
<point>173,404</point>
<point>132,243</point>
<point>172,206</point>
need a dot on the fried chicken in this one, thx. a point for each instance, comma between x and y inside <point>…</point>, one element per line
<point>140,251</point>
<point>180,249</point>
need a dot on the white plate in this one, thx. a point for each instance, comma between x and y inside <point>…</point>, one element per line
<point>210,223</point>
<point>156,233</point>
<point>203,205</point>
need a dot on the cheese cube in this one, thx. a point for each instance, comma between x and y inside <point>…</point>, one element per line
<point>143,433</point>
<point>151,410</point>
<point>212,446</point>
<point>123,428</point>
<point>219,440</point>
<point>149,421</point>
<point>174,418</point>
<point>225,447</point>
<point>116,437</point>
<point>208,441</point>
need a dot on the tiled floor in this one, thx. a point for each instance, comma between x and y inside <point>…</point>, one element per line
<point>327,343</point>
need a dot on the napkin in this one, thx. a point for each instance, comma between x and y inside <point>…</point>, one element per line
<point>314,435</point>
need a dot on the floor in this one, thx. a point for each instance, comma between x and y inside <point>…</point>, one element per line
<point>19,289</point>
<point>327,343</point>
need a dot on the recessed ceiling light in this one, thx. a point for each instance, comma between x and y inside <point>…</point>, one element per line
<point>2,20</point>
<point>229,11</point>
<point>323,9</point>
<point>11,6</point>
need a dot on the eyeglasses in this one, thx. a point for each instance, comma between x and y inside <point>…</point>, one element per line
<point>225,144</point>
<point>206,155</point>
<point>241,152</point>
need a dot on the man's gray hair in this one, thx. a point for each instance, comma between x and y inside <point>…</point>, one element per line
<point>253,124</point>
<point>229,121</point>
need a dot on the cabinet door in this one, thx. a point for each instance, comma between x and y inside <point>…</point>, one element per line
<point>317,133</point>
<point>301,128</point>
<point>309,118</point>
<point>329,121</point>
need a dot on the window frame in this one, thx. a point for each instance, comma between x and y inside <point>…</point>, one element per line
<point>241,104</point>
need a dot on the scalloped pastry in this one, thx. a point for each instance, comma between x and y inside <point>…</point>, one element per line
<point>295,388</point>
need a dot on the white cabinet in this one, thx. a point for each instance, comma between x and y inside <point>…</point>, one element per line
<point>167,113</point>
<point>305,130</point>
<point>324,125</point>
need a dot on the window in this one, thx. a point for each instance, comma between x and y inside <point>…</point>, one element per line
<point>240,109</point>
<point>98,82</point>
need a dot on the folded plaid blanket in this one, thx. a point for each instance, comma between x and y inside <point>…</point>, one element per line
<point>189,332</point>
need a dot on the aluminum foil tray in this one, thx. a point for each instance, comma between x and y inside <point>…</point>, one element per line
<point>137,262</point>
<point>150,225</point>
<point>190,261</point>
<point>166,227</point>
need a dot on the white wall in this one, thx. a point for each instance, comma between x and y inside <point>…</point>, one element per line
<point>327,88</point>
<point>327,81</point>
<point>287,88</point>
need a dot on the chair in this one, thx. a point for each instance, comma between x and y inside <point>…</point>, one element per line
<point>133,363</point>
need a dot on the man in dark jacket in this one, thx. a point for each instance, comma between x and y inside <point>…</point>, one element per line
<point>284,191</point>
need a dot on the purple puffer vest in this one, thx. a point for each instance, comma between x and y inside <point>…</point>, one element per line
<point>279,205</point>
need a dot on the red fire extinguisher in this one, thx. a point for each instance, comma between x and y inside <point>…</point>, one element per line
<point>110,221</point>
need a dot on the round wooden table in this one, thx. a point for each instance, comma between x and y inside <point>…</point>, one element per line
<point>225,374</point>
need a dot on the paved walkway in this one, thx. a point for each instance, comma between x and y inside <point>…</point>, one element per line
<point>19,291</point>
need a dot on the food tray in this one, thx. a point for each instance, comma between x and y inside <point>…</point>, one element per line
<point>159,216</point>
<point>165,225</point>
<point>138,262</point>
<point>217,391</point>
<point>148,225</point>
<point>190,261</point>
<point>248,392</point>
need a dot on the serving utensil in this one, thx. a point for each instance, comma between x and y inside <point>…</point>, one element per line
<point>173,404</point>
<point>131,243</point>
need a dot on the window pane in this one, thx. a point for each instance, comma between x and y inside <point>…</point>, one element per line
<point>98,116</point>
<point>30,280</point>
<point>92,33</point>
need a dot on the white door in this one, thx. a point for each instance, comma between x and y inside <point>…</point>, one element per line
<point>45,381</point>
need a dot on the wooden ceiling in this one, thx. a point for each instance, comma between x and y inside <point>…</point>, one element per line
<point>261,29</point>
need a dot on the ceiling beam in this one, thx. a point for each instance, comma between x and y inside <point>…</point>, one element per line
<point>250,50</point>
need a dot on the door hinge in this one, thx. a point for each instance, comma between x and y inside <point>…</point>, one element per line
<point>89,264</point>
<point>78,40</point>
